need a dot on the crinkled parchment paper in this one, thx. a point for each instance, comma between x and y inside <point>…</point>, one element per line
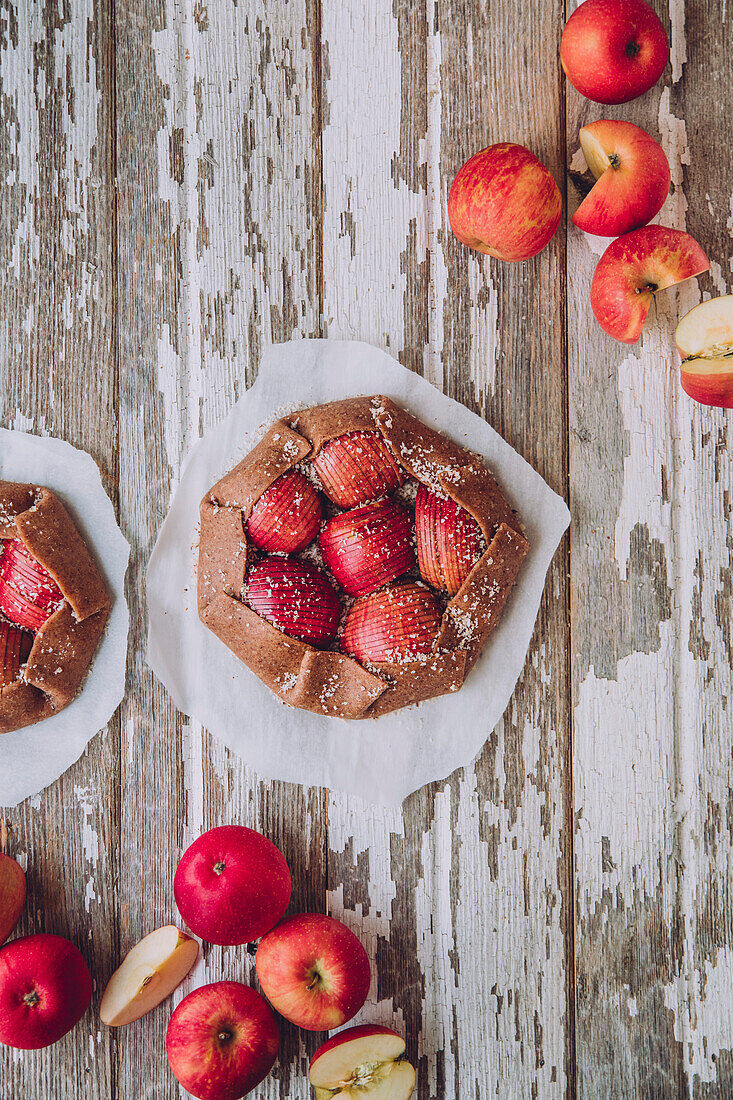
<point>381,760</point>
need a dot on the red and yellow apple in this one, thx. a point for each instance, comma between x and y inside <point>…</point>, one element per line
<point>613,50</point>
<point>397,624</point>
<point>504,202</point>
<point>360,1062</point>
<point>313,971</point>
<point>449,540</point>
<point>631,271</point>
<point>287,515</point>
<point>368,546</point>
<point>633,178</point>
<point>222,1041</point>
<point>45,989</point>
<point>12,894</point>
<point>357,467</point>
<point>704,338</point>
<point>232,885</point>
<point>296,597</point>
<point>148,974</point>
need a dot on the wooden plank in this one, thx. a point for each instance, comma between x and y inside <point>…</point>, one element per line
<point>59,376</point>
<point>219,229</point>
<point>652,654</point>
<point>446,889</point>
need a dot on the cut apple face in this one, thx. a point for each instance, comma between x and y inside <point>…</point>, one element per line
<point>148,974</point>
<point>633,177</point>
<point>364,1061</point>
<point>631,271</point>
<point>704,338</point>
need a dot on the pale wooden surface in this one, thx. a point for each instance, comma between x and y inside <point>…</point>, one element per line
<point>183,183</point>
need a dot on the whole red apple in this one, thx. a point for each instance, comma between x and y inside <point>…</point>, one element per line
<point>357,467</point>
<point>12,894</point>
<point>222,1041</point>
<point>613,50</point>
<point>397,624</point>
<point>704,339</point>
<point>296,597</point>
<point>368,546</point>
<point>505,202</point>
<point>633,268</point>
<point>314,971</point>
<point>45,989</point>
<point>232,885</point>
<point>633,177</point>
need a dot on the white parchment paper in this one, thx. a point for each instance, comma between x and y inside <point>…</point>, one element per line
<point>381,760</point>
<point>33,757</point>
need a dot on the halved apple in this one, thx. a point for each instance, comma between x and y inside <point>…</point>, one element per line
<point>363,1061</point>
<point>147,975</point>
<point>704,338</point>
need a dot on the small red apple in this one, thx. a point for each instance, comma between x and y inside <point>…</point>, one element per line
<point>15,647</point>
<point>45,989</point>
<point>704,338</point>
<point>28,593</point>
<point>232,885</point>
<point>12,895</point>
<point>505,202</point>
<point>631,271</point>
<point>368,546</point>
<point>613,50</point>
<point>449,540</point>
<point>296,598</point>
<point>367,1060</point>
<point>314,971</point>
<point>356,468</point>
<point>397,624</point>
<point>222,1041</point>
<point>287,515</point>
<point>633,178</point>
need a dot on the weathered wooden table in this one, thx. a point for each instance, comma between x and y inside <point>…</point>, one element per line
<point>184,183</point>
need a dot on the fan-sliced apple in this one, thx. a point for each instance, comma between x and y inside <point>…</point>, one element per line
<point>362,1061</point>
<point>704,338</point>
<point>147,975</point>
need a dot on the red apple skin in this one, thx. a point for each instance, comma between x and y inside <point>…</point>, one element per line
<point>614,50</point>
<point>28,593</point>
<point>357,467</point>
<point>504,202</point>
<point>360,1031</point>
<point>12,895</point>
<point>397,624</point>
<point>287,516</point>
<point>222,1041</point>
<point>15,648</point>
<point>368,547</point>
<point>45,989</point>
<point>296,598</point>
<point>232,885</point>
<point>316,951</point>
<point>449,540</point>
<point>633,268</point>
<point>714,388</point>
<point>704,340</point>
<point>633,189</point>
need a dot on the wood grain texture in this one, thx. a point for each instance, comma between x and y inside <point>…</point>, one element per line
<point>651,543</point>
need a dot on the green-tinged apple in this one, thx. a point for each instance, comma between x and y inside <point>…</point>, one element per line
<point>631,271</point>
<point>314,971</point>
<point>633,178</point>
<point>614,50</point>
<point>222,1041</point>
<point>232,885</point>
<point>704,338</point>
<point>147,975</point>
<point>364,1061</point>
<point>505,202</point>
<point>45,989</point>
<point>12,895</point>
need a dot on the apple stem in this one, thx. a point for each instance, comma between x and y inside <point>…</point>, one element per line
<point>314,983</point>
<point>31,999</point>
<point>224,1036</point>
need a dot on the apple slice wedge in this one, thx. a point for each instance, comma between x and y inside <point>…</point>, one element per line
<point>147,975</point>
<point>363,1061</point>
<point>704,338</point>
<point>12,895</point>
